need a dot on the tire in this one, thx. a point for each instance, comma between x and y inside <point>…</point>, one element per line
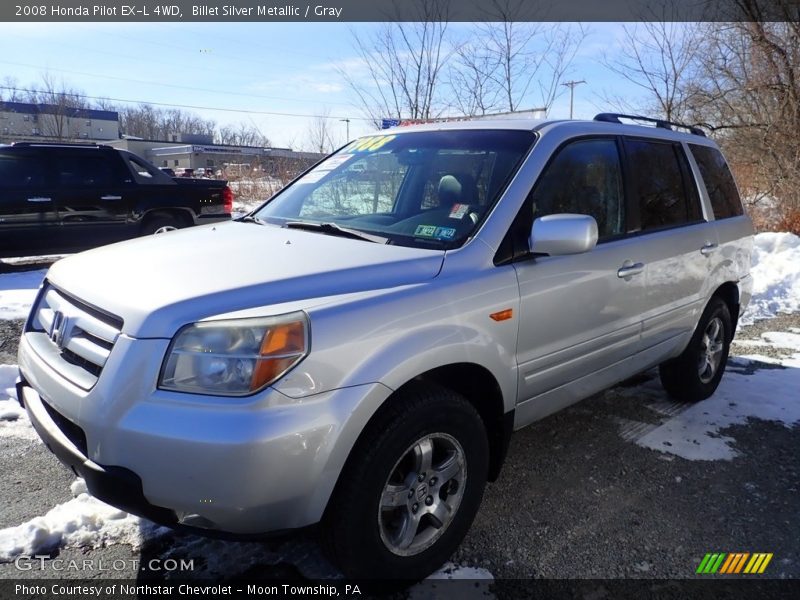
<point>696,373</point>
<point>158,224</point>
<point>388,521</point>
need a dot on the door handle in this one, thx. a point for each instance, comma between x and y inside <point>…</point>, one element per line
<point>629,270</point>
<point>708,248</point>
<point>110,197</point>
<point>37,199</point>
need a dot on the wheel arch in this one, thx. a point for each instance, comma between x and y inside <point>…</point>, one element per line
<point>186,215</point>
<point>728,292</point>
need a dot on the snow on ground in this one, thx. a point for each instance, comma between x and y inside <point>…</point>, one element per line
<point>746,392</point>
<point>17,293</point>
<point>776,276</point>
<point>13,420</point>
<point>83,521</point>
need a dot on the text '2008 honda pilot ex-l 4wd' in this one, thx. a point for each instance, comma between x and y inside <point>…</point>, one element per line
<point>357,352</point>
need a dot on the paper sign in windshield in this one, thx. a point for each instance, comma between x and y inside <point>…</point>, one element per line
<point>458,211</point>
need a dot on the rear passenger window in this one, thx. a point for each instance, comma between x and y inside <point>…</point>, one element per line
<point>719,182</point>
<point>584,178</point>
<point>661,181</point>
<point>85,171</point>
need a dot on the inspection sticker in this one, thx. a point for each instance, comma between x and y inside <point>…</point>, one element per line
<point>458,211</point>
<point>428,231</point>
<point>444,233</point>
<point>434,232</point>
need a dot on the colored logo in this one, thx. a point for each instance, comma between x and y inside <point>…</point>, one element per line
<point>734,563</point>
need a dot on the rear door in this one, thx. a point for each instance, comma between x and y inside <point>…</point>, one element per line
<point>675,242</point>
<point>27,207</point>
<point>93,202</point>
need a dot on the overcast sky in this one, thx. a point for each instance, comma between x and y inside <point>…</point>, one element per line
<point>257,67</point>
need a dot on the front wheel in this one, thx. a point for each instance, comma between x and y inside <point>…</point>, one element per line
<point>411,489</point>
<point>696,373</point>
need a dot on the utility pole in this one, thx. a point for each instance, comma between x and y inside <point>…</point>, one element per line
<point>571,85</point>
<point>347,122</point>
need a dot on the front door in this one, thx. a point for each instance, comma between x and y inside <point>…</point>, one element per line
<point>579,314</point>
<point>27,206</point>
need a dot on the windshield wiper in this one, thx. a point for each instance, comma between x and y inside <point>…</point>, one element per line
<point>334,229</point>
<point>252,219</point>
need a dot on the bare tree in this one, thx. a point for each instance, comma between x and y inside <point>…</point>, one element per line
<point>149,122</point>
<point>749,94</point>
<point>404,62</point>
<point>662,58</point>
<point>243,134</point>
<point>59,105</point>
<point>319,137</point>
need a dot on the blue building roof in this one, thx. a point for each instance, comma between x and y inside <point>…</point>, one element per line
<point>26,108</point>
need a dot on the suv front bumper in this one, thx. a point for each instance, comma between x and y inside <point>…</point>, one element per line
<point>246,467</point>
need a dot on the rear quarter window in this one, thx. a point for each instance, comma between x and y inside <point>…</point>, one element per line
<point>719,182</point>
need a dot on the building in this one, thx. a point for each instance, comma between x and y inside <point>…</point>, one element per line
<point>25,121</point>
<point>199,151</point>
<point>21,121</point>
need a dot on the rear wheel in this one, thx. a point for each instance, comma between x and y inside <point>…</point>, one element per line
<point>696,373</point>
<point>162,223</point>
<point>411,489</point>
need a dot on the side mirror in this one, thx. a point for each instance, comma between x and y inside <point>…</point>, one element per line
<point>557,235</point>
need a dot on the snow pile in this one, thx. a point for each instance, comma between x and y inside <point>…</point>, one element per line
<point>83,521</point>
<point>754,387</point>
<point>13,419</point>
<point>17,293</point>
<point>776,276</point>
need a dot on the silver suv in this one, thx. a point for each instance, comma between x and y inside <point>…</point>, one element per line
<point>357,352</point>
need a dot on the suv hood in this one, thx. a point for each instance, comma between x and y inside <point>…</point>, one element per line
<point>160,283</point>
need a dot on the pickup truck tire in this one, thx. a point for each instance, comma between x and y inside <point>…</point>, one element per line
<point>410,489</point>
<point>696,373</point>
<point>161,224</point>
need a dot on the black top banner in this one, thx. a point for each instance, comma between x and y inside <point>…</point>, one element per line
<point>399,10</point>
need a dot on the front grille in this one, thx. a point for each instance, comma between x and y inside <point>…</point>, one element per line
<point>71,337</point>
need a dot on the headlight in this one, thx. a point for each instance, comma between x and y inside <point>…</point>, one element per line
<point>234,357</point>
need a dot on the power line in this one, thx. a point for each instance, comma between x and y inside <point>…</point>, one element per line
<point>190,106</point>
<point>158,83</point>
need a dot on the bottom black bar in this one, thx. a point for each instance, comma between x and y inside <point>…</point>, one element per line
<point>732,588</point>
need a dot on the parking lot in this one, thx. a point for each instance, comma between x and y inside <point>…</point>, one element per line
<point>624,484</point>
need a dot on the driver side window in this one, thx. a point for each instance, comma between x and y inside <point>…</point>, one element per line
<point>584,178</point>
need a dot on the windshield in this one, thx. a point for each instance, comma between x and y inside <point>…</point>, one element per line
<point>428,189</point>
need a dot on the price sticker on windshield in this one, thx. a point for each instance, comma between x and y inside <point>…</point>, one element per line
<point>371,143</point>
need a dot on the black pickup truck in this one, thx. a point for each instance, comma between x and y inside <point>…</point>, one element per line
<point>62,198</point>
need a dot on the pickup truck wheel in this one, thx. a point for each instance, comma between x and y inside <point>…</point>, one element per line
<point>410,491</point>
<point>161,224</point>
<point>696,373</point>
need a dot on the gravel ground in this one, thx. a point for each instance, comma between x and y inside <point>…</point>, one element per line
<point>574,500</point>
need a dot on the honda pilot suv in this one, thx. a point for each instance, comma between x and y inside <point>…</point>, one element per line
<point>357,352</point>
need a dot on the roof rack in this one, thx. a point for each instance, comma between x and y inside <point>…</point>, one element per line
<point>66,144</point>
<point>660,123</point>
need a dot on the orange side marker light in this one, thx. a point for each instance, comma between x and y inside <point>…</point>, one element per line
<point>503,315</point>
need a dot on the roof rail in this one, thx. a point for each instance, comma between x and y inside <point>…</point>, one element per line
<point>60,144</point>
<point>660,123</point>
